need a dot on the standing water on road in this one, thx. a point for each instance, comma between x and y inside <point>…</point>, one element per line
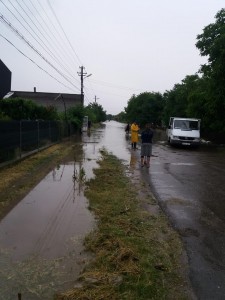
<point>41,239</point>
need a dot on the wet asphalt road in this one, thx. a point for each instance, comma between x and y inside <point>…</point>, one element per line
<point>190,187</point>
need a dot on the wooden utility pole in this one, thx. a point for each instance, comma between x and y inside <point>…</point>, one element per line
<point>82,74</point>
<point>96,99</point>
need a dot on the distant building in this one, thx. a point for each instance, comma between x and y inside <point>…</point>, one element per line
<point>5,79</point>
<point>60,101</point>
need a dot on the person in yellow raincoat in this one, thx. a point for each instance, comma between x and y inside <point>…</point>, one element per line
<point>134,134</point>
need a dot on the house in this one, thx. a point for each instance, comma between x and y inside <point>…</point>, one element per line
<point>5,79</point>
<point>61,101</point>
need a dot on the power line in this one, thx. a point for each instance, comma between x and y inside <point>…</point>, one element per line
<point>56,45</point>
<point>53,26</point>
<point>39,32</point>
<point>49,21</point>
<point>7,23</point>
<point>113,85</point>
<point>34,62</point>
<point>44,46</point>
<point>63,31</point>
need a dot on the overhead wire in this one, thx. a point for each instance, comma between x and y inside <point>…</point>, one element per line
<point>42,44</point>
<point>51,35</point>
<point>61,57</point>
<point>34,62</point>
<point>38,38</point>
<point>63,31</point>
<point>104,83</point>
<point>59,37</point>
<point>86,96</point>
<point>65,35</point>
<point>7,23</point>
<point>50,22</point>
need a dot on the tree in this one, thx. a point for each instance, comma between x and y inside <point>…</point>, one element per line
<point>21,109</point>
<point>179,102</point>
<point>211,43</point>
<point>95,112</point>
<point>121,117</point>
<point>75,115</point>
<point>145,108</point>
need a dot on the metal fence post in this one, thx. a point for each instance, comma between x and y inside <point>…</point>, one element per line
<point>49,126</point>
<point>20,139</point>
<point>38,134</point>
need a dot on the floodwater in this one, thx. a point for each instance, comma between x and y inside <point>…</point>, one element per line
<point>41,239</point>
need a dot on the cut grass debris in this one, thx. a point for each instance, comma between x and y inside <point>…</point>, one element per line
<point>137,253</point>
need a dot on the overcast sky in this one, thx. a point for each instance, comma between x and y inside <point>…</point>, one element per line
<point>129,46</point>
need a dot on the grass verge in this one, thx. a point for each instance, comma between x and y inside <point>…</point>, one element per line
<point>137,253</point>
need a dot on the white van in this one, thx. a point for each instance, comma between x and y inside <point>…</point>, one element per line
<point>183,131</point>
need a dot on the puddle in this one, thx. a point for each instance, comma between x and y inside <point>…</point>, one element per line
<point>41,239</point>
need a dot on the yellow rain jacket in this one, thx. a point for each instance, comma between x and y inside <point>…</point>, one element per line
<point>134,133</point>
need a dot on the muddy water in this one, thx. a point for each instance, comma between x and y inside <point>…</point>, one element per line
<point>41,239</point>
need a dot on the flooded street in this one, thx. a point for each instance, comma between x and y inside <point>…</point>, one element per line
<point>41,239</point>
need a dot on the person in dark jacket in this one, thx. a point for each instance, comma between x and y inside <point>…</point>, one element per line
<point>146,145</point>
<point>127,129</point>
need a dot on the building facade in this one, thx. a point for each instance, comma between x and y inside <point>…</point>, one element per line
<point>5,79</point>
<point>61,101</point>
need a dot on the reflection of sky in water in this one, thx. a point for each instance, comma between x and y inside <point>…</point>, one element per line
<point>50,214</point>
<point>115,140</point>
<point>111,137</point>
<point>54,214</point>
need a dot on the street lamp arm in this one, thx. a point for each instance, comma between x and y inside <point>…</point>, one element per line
<point>88,76</point>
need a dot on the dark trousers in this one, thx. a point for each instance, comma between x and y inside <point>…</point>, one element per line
<point>134,145</point>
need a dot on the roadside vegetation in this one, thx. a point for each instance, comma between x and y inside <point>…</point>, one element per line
<point>137,255</point>
<point>25,109</point>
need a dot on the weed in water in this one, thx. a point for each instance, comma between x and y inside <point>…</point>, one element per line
<point>137,254</point>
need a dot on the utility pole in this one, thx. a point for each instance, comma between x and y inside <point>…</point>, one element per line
<point>96,99</point>
<point>82,74</point>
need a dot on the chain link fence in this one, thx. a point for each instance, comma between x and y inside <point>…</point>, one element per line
<point>20,138</point>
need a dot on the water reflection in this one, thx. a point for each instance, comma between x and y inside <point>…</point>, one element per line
<point>79,179</point>
<point>43,235</point>
<point>133,160</point>
<point>57,173</point>
<point>41,239</point>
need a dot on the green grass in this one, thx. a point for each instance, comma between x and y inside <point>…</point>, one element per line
<point>136,253</point>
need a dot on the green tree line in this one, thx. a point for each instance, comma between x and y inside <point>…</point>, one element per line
<point>201,95</point>
<point>23,109</point>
